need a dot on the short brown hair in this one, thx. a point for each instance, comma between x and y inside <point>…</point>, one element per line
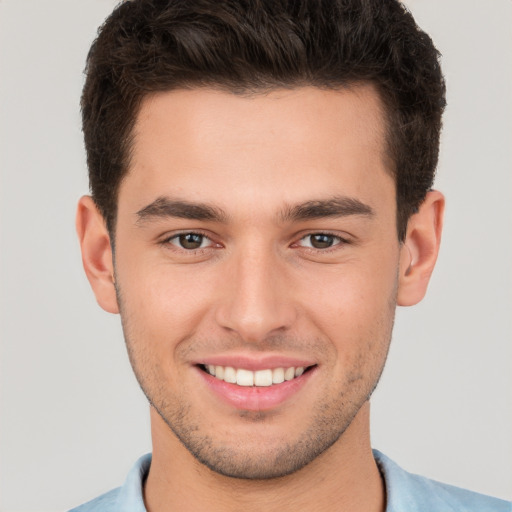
<point>247,46</point>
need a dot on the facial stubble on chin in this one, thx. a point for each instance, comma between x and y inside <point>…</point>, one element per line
<point>329,419</point>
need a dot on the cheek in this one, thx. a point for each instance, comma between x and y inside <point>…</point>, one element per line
<point>350,293</point>
<point>355,309</point>
<point>163,304</point>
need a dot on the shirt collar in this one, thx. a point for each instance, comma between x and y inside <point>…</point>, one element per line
<point>130,496</point>
<point>404,491</point>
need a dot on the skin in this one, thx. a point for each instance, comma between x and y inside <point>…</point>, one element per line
<point>257,287</point>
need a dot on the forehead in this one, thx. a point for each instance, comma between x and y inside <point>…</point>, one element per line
<point>301,142</point>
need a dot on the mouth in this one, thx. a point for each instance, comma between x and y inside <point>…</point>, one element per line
<point>260,378</point>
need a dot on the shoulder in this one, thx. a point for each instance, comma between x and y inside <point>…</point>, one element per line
<point>104,503</point>
<point>407,492</point>
<point>127,498</point>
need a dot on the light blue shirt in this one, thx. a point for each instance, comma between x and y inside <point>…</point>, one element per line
<point>405,493</point>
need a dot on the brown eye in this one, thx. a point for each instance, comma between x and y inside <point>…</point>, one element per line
<point>320,241</point>
<point>190,241</point>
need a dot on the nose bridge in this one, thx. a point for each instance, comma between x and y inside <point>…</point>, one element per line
<point>256,302</point>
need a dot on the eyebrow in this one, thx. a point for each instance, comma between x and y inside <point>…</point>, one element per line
<point>166,207</point>
<point>338,206</point>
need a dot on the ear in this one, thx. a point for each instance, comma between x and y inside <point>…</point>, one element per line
<point>96,253</point>
<point>420,249</point>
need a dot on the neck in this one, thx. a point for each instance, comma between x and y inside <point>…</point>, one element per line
<point>344,478</point>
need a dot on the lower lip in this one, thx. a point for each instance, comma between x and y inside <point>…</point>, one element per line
<point>256,398</point>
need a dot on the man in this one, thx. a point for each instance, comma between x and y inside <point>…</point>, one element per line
<point>261,201</point>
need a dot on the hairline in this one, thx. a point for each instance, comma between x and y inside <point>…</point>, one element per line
<point>248,92</point>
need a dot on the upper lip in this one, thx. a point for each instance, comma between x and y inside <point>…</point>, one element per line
<point>255,363</point>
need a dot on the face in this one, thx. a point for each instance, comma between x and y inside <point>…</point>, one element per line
<point>256,270</point>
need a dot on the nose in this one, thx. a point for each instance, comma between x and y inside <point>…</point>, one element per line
<point>256,300</point>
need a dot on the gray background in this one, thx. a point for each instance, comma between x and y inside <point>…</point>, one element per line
<point>72,417</point>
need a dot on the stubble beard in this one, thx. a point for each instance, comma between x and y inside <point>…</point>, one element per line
<point>329,420</point>
<point>237,460</point>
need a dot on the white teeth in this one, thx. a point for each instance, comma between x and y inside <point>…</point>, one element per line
<point>289,373</point>
<point>230,375</point>
<point>219,372</point>
<point>260,378</point>
<point>278,376</point>
<point>263,378</point>
<point>244,377</point>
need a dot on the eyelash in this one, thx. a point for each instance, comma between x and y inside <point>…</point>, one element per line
<point>169,241</point>
<point>338,241</point>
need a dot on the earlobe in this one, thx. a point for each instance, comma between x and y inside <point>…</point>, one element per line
<point>96,253</point>
<point>420,249</point>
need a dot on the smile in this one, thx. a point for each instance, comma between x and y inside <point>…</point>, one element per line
<point>258,378</point>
